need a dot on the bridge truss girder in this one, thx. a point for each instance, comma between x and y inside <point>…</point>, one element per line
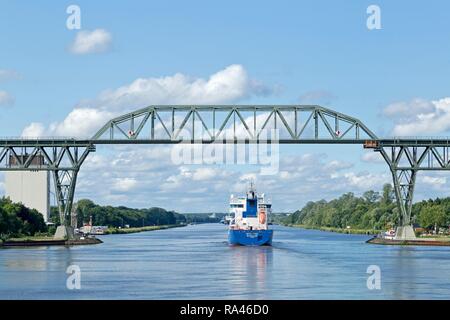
<point>165,124</point>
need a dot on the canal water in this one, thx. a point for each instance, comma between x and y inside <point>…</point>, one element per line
<point>195,262</point>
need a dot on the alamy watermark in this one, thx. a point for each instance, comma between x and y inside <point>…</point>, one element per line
<point>374,279</point>
<point>227,149</point>
<point>73,21</point>
<point>373,21</point>
<point>73,281</point>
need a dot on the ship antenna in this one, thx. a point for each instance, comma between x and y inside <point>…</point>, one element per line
<point>252,187</point>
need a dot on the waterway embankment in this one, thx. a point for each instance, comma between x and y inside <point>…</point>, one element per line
<point>337,230</point>
<point>142,229</point>
<point>49,241</point>
<point>416,242</point>
<point>30,242</point>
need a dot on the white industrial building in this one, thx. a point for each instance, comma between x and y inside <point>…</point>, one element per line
<point>31,188</point>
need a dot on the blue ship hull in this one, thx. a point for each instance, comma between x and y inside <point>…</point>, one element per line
<point>250,237</point>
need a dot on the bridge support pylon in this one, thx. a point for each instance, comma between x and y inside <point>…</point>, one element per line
<point>65,182</point>
<point>404,183</point>
<point>403,166</point>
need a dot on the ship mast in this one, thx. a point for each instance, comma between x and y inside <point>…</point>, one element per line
<point>252,190</point>
<point>252,186</point>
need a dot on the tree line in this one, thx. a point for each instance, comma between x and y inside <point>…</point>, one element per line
<point>16,220</point>
<point>122,216</point>
<point>371,211</point>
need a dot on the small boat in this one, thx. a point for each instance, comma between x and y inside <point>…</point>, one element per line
<point>226,220</point>
<point>249,224</point>
<point>390,234</point>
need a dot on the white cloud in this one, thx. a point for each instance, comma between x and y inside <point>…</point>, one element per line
<point>34,130</point>
<point>373,157</point>
<point>205,173</point>
<point>81,122</point>
<point>6,99</point>
<point>366,181</point>
<point>434,181</point>
<point>96,41</point>
<point>419,117</point>
<point>7,75</point>
<point>406,110</point>
<point>124,184</point>
<point>225,86</point>
<point>336,165</point>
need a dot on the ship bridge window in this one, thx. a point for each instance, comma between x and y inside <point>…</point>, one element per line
<point>250,209</point>
<point>236,205</point>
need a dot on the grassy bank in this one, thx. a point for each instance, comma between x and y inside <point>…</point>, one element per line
<point>30,238</point>
<point>338,230</point>
<point>43,237</point>
<point>435,236</point>
<point>141,229</point>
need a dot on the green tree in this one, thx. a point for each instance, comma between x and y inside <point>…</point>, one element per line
<point>371,196</point>
<point>16,219</point>
<point>432,216</point>
<point>371,211</point>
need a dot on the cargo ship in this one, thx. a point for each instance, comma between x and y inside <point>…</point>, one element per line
<point>249,224</point>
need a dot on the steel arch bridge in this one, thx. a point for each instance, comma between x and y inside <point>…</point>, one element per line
<point>201,124</point>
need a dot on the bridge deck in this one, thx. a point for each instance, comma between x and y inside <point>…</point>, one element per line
<point>64,142</point>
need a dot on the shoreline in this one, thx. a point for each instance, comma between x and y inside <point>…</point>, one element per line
<point>28,242</point>
<point>417,242</point>
<point>336,230</point>
<point>140,229</point>
<point>49,240</point>
<point>420,241</point>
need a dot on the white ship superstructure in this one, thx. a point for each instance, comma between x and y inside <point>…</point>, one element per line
<point>251,212</point>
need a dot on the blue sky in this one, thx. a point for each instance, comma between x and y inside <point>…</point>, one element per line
<point>318,49</point>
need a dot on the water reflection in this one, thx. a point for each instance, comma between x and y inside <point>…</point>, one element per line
<point>39,259</point>
<point>405,267</point>
<point>27,272</point>
<point>250,267</point>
